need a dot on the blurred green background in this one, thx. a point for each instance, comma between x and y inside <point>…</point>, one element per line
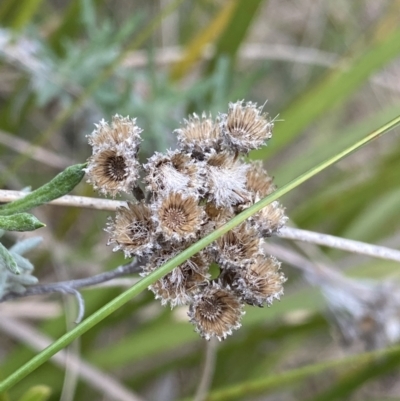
<point>331,74</point>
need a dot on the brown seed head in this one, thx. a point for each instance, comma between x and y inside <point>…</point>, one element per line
<point>259,183</point>
<point>179,286</point>
<point>178,217</point>
<point>238,247</point>
<point>113,166</point>
<point>133,230</point>
<point>269,219</point>
<point>260,282</point>
<point>123,130</point>
<point>245,127</point>
<point>215,312</point>
<point>199,134</point>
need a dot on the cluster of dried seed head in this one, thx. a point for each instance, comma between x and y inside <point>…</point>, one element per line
<point>188,193</point>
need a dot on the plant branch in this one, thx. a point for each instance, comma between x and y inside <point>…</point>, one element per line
<point>70,286</point>
<point>340,243</point>
<point>207,371</point>
<point>67,200</point>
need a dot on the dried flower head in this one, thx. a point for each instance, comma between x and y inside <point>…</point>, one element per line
<point>269,219</point>
<point>113,166</point>
<point>178,217</point>
<point>215,312</point>
<point>123,130</point>
<point>259,183</point>
<point>199,134</point>
<point>245,127</point>
<point>260,283</point>
<point>133,230</point>
<point>179,286</point>
<point>238,247</point>
<point>226,179</point>
<point>173,172</point>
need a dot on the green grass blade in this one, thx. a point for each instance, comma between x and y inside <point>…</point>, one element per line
<point>235,32</point>
<point>294,376</point>
<point>123,298</point>
<point>337,86</point>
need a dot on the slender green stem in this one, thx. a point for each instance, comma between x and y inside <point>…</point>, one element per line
<point>119,301</point>
<point>249,388</point>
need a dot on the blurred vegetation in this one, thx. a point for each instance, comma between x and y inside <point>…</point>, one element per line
<point>330,72</point>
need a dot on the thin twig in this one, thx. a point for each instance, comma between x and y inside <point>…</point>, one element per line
<point>71,285</point>
<point>67,200</point>
<point>340,243</point>
<point>208,370</point>
<point>79,299</point>
<point>100,381</point>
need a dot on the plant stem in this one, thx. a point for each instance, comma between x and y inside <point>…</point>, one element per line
<point>339,243</point>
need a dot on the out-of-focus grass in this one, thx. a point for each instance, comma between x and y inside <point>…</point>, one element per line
<point>68,45</point>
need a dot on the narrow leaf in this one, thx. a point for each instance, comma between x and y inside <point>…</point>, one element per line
<point>7,261</point>
<point>26,245</point>
<point>20,222</point>
<point>195,48</point>
<point>335,87</point>
<point>60,185</point>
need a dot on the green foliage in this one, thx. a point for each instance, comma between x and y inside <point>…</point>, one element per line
<point>20,222</point>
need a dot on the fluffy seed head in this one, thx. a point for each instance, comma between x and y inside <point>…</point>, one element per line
<point>173,172</point>
<point>178,217</point>
<point>259,183</point>
<point>269,219</point>
<point>260,283</point>
<point>113,166</point>
<point>215,312</point>
<point>123,130</point>
<point>238,247</point>
<point>226,179</point>
<point>245,127</point>
<point>133,230</point>
<point>199,134</point>
<point>179,286</point>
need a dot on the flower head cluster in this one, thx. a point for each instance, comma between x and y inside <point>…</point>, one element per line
<point>190,192</point>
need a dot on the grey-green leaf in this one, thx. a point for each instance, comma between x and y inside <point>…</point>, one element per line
<point>20,222</point>
<point>60,185</point>
<point>26,245</point>
<point>7,261</point>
